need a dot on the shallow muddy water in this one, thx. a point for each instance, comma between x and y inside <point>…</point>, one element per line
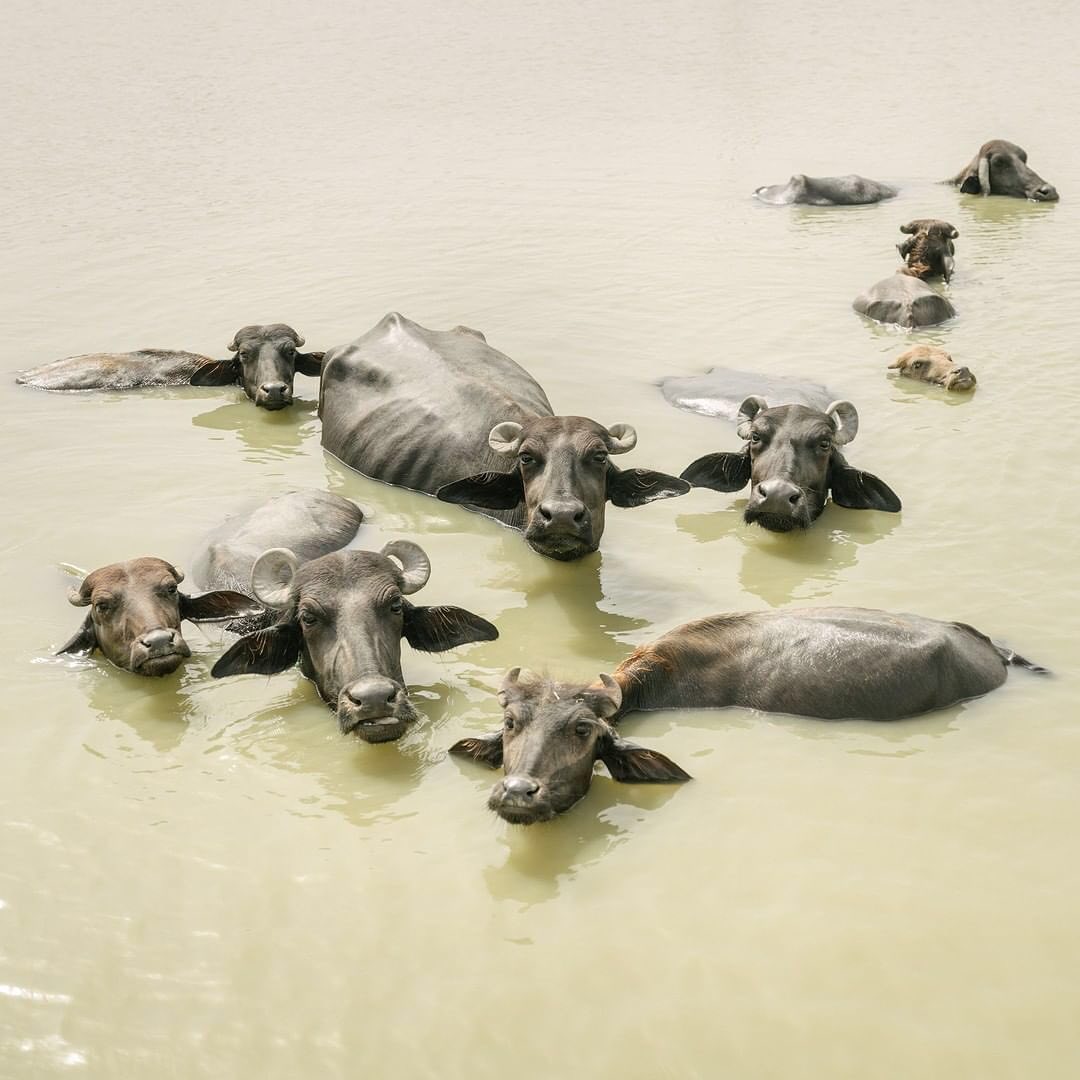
<point>203,879</point>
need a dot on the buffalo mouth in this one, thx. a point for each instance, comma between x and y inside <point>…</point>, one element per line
<point>563,547</point>
<point>958,382</point>
<point>518,811</point>
<point>272,404</point>
<point>377,729</point>
<point>161,664</point>
<point>780,523</point>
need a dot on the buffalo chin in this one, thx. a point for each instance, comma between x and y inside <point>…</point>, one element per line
<point>563,548</point>
<point>157,666</point>
<point>377,729</point>
<point>517,813</point>
<point>780,523</point>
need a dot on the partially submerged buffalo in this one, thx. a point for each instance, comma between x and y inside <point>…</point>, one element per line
<point>136,608</point>
<point>792,463</point>
<point>929,364</point>
<point>903,300</point>
<point>721,391</point>
<point>266,361</point>
<point>831,662</point>
<point>444,413</point>
<point>928,251</point>
<point>847,190</point>
<point>343,617</point>
<point>1001,168</point>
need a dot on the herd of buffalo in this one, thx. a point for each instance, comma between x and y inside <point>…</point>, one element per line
<point>445,413</point>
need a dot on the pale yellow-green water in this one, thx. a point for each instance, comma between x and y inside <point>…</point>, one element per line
<point>203,879</point>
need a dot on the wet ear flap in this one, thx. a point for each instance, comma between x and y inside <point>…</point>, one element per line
<point>721,472</point>
<point>636,487</point>
<point>271,577</point>
<point>858,490</point>
<point>415,565</point>
<point>217,373</point>
<point>266,652</point>
<point>309,363</point>
<point>83,642</point>
<point>621,438</point>
<point>747,411</point>
<point>845,420</point>
<point>487,749</point>
<point>218,606</point>
<point>505,438</point>
<point>629,763</point>
<point>436,629</point>
<point>489,490</point>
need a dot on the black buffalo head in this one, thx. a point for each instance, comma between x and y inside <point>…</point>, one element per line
<point>792,462</point>
<point>563,478</point>
<point>1001,168</point>
<point>929,249</point>
<point>266,361</point>
<point>552,736</point>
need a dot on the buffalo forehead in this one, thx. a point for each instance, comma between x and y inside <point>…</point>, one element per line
<point>347,571</point>
<point>578,431</point>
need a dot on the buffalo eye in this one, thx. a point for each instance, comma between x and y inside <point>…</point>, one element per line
<point>582,728</point>
<point>600,457</point>
<point>755,438</point>
<point>104,607</point>
<point>526,459</point>
<point>508,722</point>
<point>171,588</point>
<point>396,605</point>
<point>918,365</point>
<point>308,617</point>
<point>825,444</point>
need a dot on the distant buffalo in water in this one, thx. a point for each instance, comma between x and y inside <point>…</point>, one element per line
<point>1001,168</point>
<point>830,662</point>
<point>929,364</point>
<point>904,300</point>
<point>929,249</point>
<point>848,190</point>
<point>721,391</point>
<point>441,411</point>
<point>265,364</point>
<point>792,463</point>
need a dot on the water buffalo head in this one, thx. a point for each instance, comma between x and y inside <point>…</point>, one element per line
<point>929,250</point>
<point>266,361</point>
<point>135,612</point>
<point>343,616</point>
<point>930,364</point>
<point>564,478</point>
<point>552,735</point>
<point>1001,168</point>
<point>792,461</point>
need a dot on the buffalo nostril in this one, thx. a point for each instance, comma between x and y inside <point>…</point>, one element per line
<point>761,490</point>
<point>793,499</point>
<point>579,517</point>
<point>521,785</point>
<point>156,638</point>
<point>545,513</point>
<point>274,389</point>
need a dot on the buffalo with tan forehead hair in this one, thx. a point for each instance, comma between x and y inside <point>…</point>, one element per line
<point>929,364</point>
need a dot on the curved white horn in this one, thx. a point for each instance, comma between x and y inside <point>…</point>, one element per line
<point>505,438</point>
<point>272,577</point>
<point>623,437</point>
<point>415,565</point>
<point>846,421</point>
<point>747,411</point>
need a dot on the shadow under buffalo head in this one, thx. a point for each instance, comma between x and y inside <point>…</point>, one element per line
<point>552,735</point>
<point>135,612</point>
<point>343,616</point>
<point>266,361</point>
<point>1001,168</point>
<point>564,479</point>
<point>792,462</point>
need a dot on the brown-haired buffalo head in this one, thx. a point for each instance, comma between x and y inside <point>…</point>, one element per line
<point>929,364</point>
<point>135,612</point>
<point>1001,168</point>
<point>564,478</point>
<point>929,250</point>
<point>265,364</point>
<point>552,736</point>
<point>792,462</point>
<point>343,616</point>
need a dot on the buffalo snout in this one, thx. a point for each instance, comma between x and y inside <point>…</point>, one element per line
<point>375,708</point>
<point>779,505</point>
<point>273,395</point>
<point>521,800</point>
<point>561,528</point>
<point>159,651</point>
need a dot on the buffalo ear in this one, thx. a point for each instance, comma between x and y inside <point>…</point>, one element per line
<point>636,487</point>
<point>216,373</point>
<point>721,472</point>
<point>490,490</point>
<point>858,490</point>
<point>629,763</point>
<point>218,606</point>
<point>84,641</point>
<point>266,652</point>
<point>309,363</point>
<point>487,749</point>
<point>436,629</point>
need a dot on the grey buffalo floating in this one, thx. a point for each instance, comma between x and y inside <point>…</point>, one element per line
<point>929,364</point>
<point>829,662</point>
<point>343,616</point>
<point>850,190</point>
<point>904,300</point>
<point>721,391</point>
<point>1001,168</point>
<point>265,363</point>
<point>444,413</point>
<point>792,462</point>
<point>928,251</point>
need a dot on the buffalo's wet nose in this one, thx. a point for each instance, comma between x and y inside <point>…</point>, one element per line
<point>562,512</point>
<point>1047,191</point>
<point>274,389</point>
<point>521,786</point>
<point>963,373</point>
<point>779,493</point>
<point>157,639</point>
<point>372,695</point>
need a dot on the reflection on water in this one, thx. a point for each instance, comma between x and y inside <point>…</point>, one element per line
<point>267,434</point>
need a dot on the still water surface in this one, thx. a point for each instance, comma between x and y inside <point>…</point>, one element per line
<point>203,879</point>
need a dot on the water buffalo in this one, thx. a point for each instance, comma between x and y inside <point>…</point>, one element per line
<point>343,616</point>
<point>1001,168</point>
<point>929,250</point>
<point>831,662</point>
<point>929,364</point>
<point>721,391</point>
<point>444,413</point>
<point>792,462</point>
<point>135,612</point>
<point>847,190</point>
<point>265,363</point>
<point>904,300</point>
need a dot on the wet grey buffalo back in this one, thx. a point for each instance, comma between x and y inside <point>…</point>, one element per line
<point>850,190</point>
<point>117,371</point>
<point>903,300</point>
<point>308,523</point>
<point>721,391</point>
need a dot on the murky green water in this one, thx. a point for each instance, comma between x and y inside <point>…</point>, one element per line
<point>203,879</point>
